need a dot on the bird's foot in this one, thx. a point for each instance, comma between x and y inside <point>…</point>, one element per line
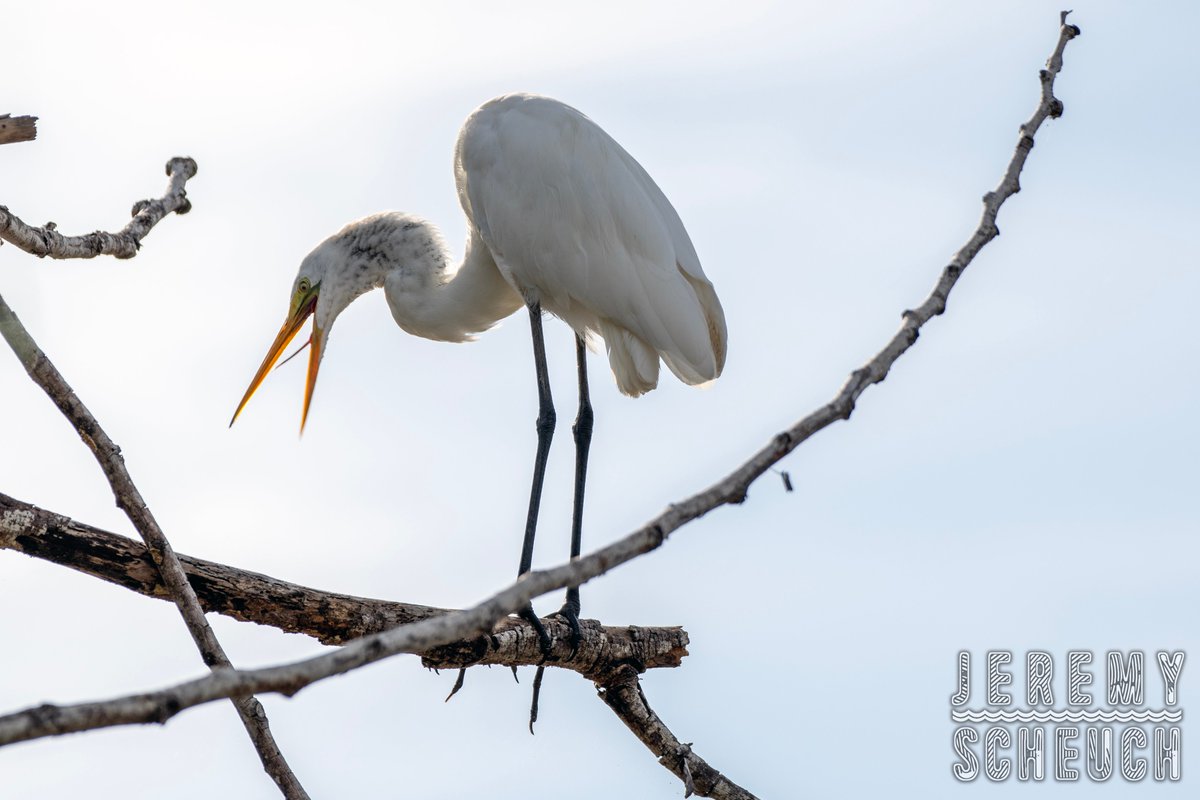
<point>569,614</point>
<point>544,643</point>
<point>537,693</point>
<point>546,646</point>
<point>458,684</point>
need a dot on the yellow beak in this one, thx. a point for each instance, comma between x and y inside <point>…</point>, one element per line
<point>291,327</point>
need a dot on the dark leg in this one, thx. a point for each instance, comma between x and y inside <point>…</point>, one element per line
<point>545,431</point>
<point>582,429</point>
<point>583,439</point>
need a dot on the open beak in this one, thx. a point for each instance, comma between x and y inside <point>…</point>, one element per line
<point>302,311</point>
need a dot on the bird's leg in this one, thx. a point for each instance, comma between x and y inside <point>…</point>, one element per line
<point>545,432</point>
<point>582,431</point>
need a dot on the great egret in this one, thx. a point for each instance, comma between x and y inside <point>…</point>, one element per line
<point>559,218</point>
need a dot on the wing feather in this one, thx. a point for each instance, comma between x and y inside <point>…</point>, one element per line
<point>574,222</point>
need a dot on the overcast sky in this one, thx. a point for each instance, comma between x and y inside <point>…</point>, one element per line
<point>1024,479</point>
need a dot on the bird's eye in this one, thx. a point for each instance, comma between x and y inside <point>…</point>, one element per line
<point>304,286</point>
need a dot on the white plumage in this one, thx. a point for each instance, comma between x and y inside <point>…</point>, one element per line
<point>558,214</point>
<point>572,220</point>
<point>559,218</point>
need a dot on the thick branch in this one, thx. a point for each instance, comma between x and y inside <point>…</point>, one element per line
<point>425,634</point>
<point>326,616</point>
<point>17,129</point>
<point>46,241</point>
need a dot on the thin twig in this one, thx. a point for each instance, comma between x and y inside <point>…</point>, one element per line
<point>46,241</point>
<point>129,499</point>
<point>419,636</point>
<point>17,129</point>
<point>329,617</point>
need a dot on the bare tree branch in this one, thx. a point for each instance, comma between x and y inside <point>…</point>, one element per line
<point>46,241</point>
<point>623,694</point>
<point>129,499</point>
<point>417,637</point>
<point>17,129</point>
<point>425,634</point>
<point>329,617</point>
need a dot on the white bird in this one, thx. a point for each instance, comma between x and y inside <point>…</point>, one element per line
<point>559,218</point>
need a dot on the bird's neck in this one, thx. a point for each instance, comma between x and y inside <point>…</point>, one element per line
<point>428,300</point>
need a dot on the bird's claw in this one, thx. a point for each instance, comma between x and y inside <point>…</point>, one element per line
<point>544,642</point>
<point>569,614</point>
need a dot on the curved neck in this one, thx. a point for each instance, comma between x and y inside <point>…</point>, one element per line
<point>428,301</point>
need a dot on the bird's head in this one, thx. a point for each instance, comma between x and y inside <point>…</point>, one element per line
<point>354,260</point>
<point>328,280</point>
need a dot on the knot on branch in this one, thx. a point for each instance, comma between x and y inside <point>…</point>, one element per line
<point>463,653</point>
<point>167,709</point>
<point>682,753</point>
<point>96,240</point>
<point>1070,31</point>
<point>46,714</point>
<point>860,379</point>
<point>184,165</point>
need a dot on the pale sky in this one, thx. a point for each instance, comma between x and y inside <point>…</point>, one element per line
<point>1024,479</point>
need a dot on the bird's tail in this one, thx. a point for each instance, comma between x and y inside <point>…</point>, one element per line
<point>634,363</point>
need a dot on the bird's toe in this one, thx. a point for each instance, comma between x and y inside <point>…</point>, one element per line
<point>544,642</point>
<point>569,614</point>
